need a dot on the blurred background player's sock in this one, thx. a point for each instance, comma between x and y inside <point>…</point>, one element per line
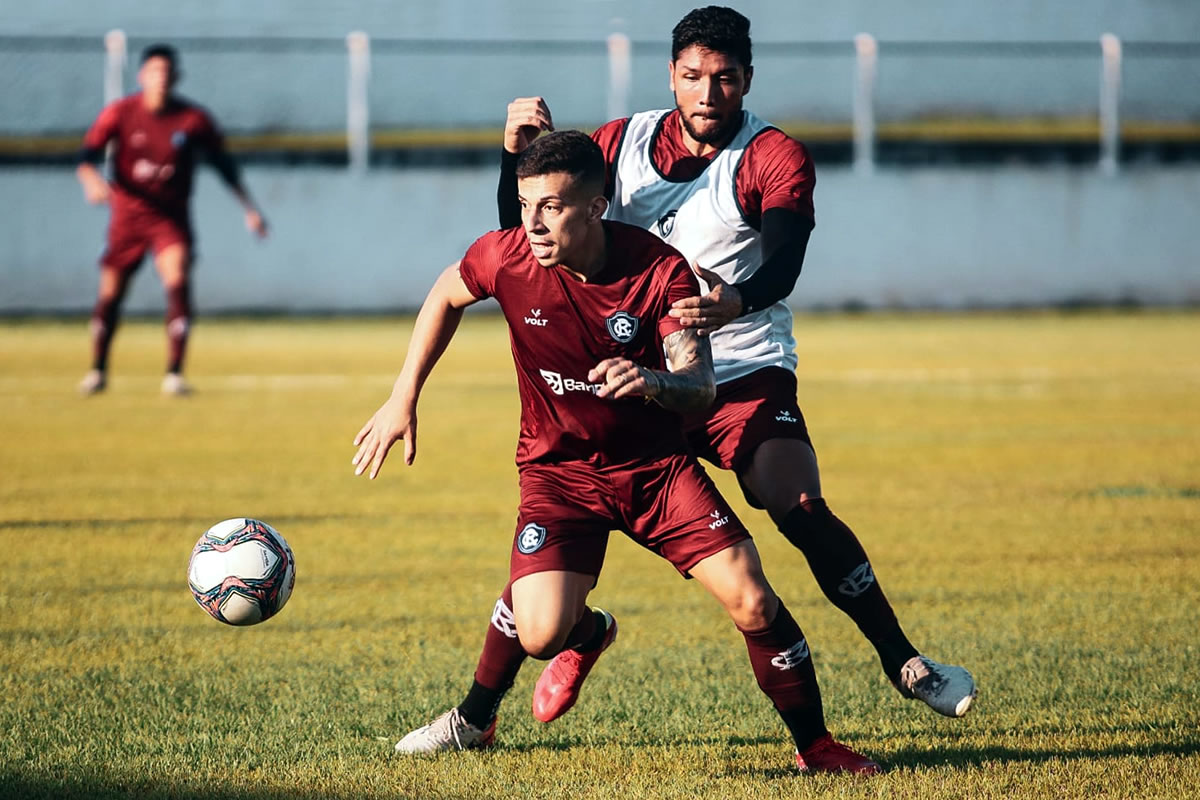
<point>103,325</point>
<point>844,573</point>
<point>784,669</point>
<point>179,312</point>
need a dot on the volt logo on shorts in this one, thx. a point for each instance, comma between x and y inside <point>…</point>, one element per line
<point>532,537</point>
<point>792,657</point>
<point>504,620</point>
<point>535,318</point>
<point>857,581</point>
<point>622,326</point>
<point>560,385</point>
<point>785,416</point>
<point>718,520</point>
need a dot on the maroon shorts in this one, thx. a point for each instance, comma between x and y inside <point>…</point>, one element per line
<point>667,505</point>
<point>747,412</point>
<point>129,239</point>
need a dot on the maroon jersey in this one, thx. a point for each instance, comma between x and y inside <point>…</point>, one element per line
<point>561,327</point>
<point>156,154</point>
<point>775,172</point>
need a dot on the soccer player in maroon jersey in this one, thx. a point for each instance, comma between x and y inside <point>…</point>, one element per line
<point>158,138</point>
<point>603,371</point>
<point>734,195</point>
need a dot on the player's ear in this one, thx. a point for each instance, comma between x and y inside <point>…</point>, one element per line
<point>671,76</point>
<point>596,208</point>
<point>746,82</point>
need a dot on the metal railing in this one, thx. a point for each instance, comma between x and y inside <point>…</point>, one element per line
<point>359,51</point>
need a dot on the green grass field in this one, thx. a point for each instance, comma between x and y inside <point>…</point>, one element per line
<point>1028,487</point>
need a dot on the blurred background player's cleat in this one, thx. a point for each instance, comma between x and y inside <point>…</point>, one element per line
<point>947,689</point>
<point>558,687</point>
<point>93,382</point>
<point>827,755</point>
<point>174,384</point>
<point>448,732</point>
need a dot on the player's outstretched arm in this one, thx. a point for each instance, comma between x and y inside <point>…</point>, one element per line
<point>397,418</point>
<point>784,242</point>
<point>688,385</point>
<point>227,168</point>
<point>721,305</point>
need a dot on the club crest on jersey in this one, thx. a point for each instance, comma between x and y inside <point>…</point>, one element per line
<point>622,326</point>
<point>177,139</point>
<point>666,223</point>
<point>531,538</point>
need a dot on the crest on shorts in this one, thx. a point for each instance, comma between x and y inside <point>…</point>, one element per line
<point>622,326</point>
<point>532,537</point>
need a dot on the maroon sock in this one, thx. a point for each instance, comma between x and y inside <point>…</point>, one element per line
<point>179,318</point>
<point>844,573</point>
<point>103,325</point>
<point>784,669</point>
<point>499,664</point>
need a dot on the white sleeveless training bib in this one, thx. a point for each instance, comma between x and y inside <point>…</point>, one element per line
<point>703,220</point>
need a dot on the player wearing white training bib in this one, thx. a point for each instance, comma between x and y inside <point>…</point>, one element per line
<point>703,219</point>
<point>734,196</point>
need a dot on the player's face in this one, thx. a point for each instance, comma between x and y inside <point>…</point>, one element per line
<point>556,213</point>
<point>709,88</point>
<point>156,78</point>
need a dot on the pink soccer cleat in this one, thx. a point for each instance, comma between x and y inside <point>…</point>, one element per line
<point>558,687</point>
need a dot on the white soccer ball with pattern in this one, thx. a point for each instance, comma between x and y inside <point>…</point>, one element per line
<point>241,571</point>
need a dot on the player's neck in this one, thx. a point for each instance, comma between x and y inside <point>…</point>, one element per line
<point>593,255</point>
<point>155,104</point>
<point>700,148</point>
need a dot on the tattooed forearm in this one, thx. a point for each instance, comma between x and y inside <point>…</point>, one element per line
<point>690,384</point>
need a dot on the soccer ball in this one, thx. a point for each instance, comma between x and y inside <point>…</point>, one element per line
<point>241,571</point>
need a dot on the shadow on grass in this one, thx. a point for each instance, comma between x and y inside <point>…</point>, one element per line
<point>107,787</point>
<point>959,756</point>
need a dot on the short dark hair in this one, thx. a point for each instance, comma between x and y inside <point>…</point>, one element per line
<point>572,152</point>
<point>161,51</point>
<point>715,28</point>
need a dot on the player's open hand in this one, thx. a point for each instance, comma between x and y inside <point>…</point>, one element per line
<point>394,420</point>
<point>97,192</point>
<point>256,223</point>
<point>620,377</point>
<point>527,118</point>
<point>707,312</point>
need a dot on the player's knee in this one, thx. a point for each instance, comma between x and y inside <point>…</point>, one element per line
<point>754,606</point>
<point>541,638</point>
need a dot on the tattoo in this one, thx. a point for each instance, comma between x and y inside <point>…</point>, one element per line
<point>690,384</point>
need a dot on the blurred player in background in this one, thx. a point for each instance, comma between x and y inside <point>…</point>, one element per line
<point>158,139</point>
<point>734,195</point>
<point>603,371</point>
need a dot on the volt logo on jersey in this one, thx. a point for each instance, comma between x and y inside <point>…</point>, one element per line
<point>857,581</point>
<point>785,416</point>
<point>622,326</point>
<point>535,318</point>
<point>532,537</point>
<point>718,520</point>
<point>666,223</point>
<point>792,657</point>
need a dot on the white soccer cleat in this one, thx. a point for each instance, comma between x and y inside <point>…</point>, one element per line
<point>947,689</point>
<point>93,383</point>
<point>174,384</point>
<point>448,732</point>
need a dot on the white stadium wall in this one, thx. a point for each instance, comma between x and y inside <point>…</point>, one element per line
<point>897,238</point>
